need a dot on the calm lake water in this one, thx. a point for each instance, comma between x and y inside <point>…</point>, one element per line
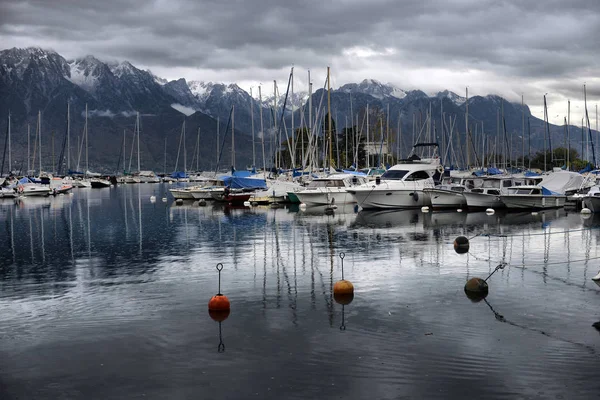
<point>103,295</point>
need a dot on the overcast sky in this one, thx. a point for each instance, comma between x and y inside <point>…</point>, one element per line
<point>509,47</point>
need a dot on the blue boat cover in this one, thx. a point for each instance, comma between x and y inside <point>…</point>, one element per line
<point>179,175</point>
<point>71,172</point>
<point>587,168</point>
<point>24,180</point>
<point>243,180</point>
<point>548,192</point>
<point>352,172</point>
<point>530,174</point>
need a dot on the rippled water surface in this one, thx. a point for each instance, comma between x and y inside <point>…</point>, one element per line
<point>104,295</point>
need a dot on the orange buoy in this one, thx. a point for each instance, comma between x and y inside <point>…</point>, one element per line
<point>343,287</point>
<point>218,315</point>
<point>219,302</point>
<point>343,298</point>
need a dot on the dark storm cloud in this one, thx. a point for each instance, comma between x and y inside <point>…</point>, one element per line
<point>513,42</point>
<point>549,39</point>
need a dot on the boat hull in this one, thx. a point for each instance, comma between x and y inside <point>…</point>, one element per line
<point>181,194</point>
<point>441,198</point>
<point>483,200</point>
<point>100,183</point>
<point>233,198</point>
<point>593,203</point>
<point>391,198</point>
<point>532,202</point>
<point>324,197</point>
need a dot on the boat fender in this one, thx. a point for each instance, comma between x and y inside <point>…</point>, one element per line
<point>378,180</point>
<point>440,169</point>
<point>415,196</point>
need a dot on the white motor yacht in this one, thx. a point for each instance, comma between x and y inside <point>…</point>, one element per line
<point>26,187</point>
<point>401,186</point>
<point>449,194</point>
<point>333,189</point>
<point>551,192</point>
<point>488,194</point>
<point>591,199</point>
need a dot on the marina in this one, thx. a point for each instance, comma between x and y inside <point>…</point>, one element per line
<point>113,284</point>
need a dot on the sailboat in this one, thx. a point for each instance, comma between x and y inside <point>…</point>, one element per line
<point>82,182</point>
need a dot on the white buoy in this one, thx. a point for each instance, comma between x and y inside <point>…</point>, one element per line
<point>164,199</point>
<point>534,213</point>
<point>586,211</point>
<point>459,210</point>
<point>302,206</point>
<point>152,199</point>
<point>247,204</point>
<point>490,211</point>
<point>424,209</point>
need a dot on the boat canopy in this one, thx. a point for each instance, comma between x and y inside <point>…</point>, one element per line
<point>562,181</point>
<point>243,180</point>
<point>548,192</point>
<point>25,180</point>
<point>178,175</point>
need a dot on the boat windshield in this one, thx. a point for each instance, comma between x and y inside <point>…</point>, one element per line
<point>396,174</point>
<point>326,183</point>
<point>491,183</point>
<point>519,191</point>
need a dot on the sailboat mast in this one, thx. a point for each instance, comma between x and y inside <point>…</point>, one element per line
<point>232,137</point>
<point>9,149</point>
<point>293,154</point>
<point>184,151</point>
<point>252,116</point>
<point>367,152</point>
<point>28,149</point>
<point>262,132</point>
<point>569,135</point>
<point>138,141</point>
<point>165,165</point>
<point>40,138</point>
<point>467,128</point>
<point>329,119</point>
<point>275,125</point>
<point>69,136</point>
<point>87,166</point>
<point>545,133</point>
<point>124,157</point>
<point>218,127</point>
<point>309,115</point>
<point>523,130</point>
<point>198,151</point>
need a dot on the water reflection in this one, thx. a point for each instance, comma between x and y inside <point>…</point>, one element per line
<point>111,270</point>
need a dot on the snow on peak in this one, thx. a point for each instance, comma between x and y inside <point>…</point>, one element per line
<point>456,99</point>
<point>157,79</point>
<point>200,89</point>
<point>374,88</point>
<point>123,68</point>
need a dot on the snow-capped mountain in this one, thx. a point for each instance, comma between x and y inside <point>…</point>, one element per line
<point>456,99</point>
<point>35,79</point>
<point>374,88</point>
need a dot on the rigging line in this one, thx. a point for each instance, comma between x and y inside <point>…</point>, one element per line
<point>537,234</point>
